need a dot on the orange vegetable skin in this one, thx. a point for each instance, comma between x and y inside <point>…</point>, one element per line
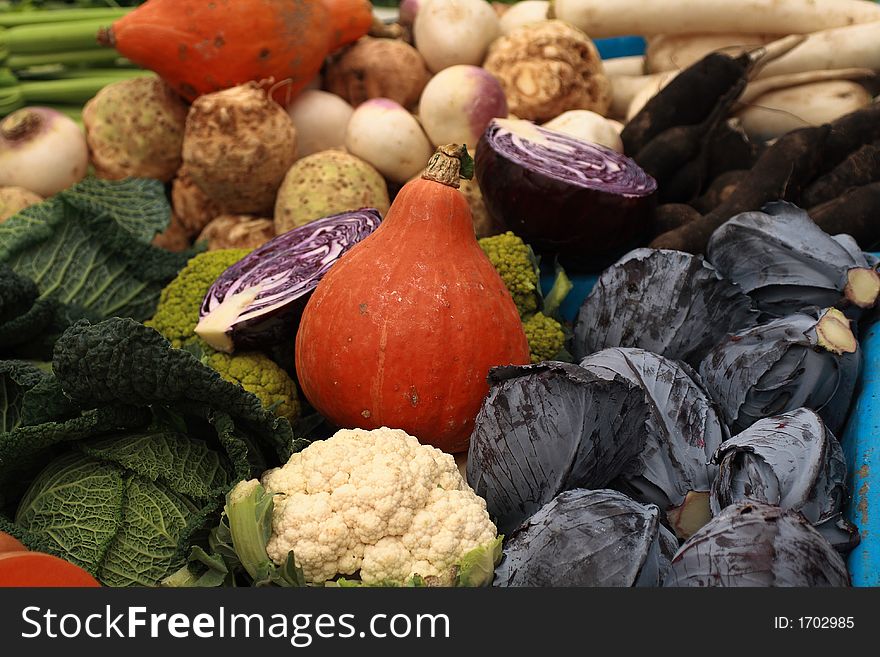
<point>201,46</point>
<point>403,330</point>
<point>10,544</point>
<point>37,569</point>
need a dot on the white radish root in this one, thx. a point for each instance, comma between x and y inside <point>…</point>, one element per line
<point>667,52</point>
<point>633,65</point>
<point>604,18</point>
<point>777,112</point>
<point>845,47</point>
<point>756,89</point>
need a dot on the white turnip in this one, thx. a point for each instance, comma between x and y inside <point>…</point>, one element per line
<point>449,32</point>
<point>382,133</point>
<point>523,13</point>
<point>458,103</point>
<point>41,150</point>
<point>588,126</point>
<point>320,118</point>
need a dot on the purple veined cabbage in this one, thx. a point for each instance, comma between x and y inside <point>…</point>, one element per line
<point>548,428</point>
<point>793,461</point>
<point>257,302</point>
<point>682,429</point>
<point>588,538</point>
<point>584,202</point>
<point>810,360</point>
<point>754,544</point>
<point>671,303</point>
<point>786,263</point>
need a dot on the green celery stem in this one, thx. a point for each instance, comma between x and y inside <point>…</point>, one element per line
<point>91,56</point>
<point>72,91</point>
<point>52,37</point>
<point>17,18</point>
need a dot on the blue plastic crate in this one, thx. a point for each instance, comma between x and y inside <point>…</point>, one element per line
<point>860,440</point>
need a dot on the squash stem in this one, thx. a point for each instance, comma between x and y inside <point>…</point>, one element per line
<point>449,164</point>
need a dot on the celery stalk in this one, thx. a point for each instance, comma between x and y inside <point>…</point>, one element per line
<point>94,55</point>
<point>52,37</point>
<point>32,17</point>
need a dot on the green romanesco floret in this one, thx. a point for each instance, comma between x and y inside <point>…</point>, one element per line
<point>258,374</point>
<point>516,263</point>
<point>177,314</point>
<point>545,336</point>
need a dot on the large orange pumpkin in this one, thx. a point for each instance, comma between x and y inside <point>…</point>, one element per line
<point>403,329</point>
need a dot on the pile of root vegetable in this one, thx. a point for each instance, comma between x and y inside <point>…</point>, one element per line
<point>293,291</point>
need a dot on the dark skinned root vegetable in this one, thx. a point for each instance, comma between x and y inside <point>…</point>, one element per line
<point>809,360</point>
<point>678,154</point>
<point>756,544</point>
<point>718,191</point>
<point>793,461</point>
<point>588,538</point>
<point>547,428</point>
<point>668,302</point>
<point>856,213</point>
<point>687,100</point>
<point>861,167</point>
<point>722,149</point>
<point>782,172</point>
<point>787,263</point>
<point>670,216</point>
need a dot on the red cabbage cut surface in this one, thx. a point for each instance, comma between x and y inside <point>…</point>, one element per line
<point>257,302</point>
<point>584,202</point>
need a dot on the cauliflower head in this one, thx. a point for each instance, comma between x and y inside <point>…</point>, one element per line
<point>177,313</point>
<point>377,503</point>
<point>545,337</point>
<point>515,263</point>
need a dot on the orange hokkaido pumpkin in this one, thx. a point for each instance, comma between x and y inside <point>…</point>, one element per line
<point>403,329</point>
<point>202,46</point>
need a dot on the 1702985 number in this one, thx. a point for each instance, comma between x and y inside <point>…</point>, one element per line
<point>826,622</point>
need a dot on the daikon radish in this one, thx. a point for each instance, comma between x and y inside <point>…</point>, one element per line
<point>625,87</point>
<point>634,65</point>
<point>760,87</point>
<point>604,18</point>
<point>777,112</point>
<point>667,52</point>
<point>844,47</point>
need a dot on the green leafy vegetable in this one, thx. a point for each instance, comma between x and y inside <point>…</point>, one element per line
<point>121,459</point>
<point>84,253</point>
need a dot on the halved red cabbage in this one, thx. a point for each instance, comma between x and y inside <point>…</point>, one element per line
<point>581,201</point>
<point>257,302</point>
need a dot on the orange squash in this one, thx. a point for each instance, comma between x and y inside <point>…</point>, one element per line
<point>403,329</point>
<point>19,569</point>
<point>202,46</point>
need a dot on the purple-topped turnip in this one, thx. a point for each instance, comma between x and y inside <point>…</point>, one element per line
<point>564,196</point>
<point>257,302</point>
<point>42,151</point>
<point>458,103</point>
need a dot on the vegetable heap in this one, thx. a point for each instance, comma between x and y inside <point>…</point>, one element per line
<point>261,309</point>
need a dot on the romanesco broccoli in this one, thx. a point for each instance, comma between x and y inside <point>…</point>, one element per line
<point>258,374</point>
<point>514,261</point>
<point>178,313</point>
<point>545,336</point>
